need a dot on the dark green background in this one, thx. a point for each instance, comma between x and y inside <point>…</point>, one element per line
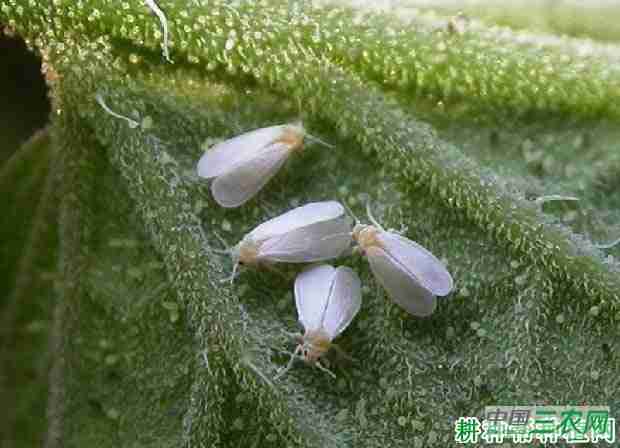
<point>24,107</point>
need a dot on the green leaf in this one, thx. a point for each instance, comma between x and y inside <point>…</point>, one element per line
<point>27,192</point>
<point>594,20</point>
<point>124,363</point>
<point>465,142</point>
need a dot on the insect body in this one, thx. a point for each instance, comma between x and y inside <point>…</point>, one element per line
<point>316,231</point>
<point>243,165</point>
<point>327,300</point>
<point>411,275</point>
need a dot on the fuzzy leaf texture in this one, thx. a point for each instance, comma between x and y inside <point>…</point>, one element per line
<point>465,137</point>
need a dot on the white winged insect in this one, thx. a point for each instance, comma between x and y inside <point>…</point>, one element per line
<point>411,275</point>
<point>243,165</point>
<point>327,300</point>
<point>316,231</point>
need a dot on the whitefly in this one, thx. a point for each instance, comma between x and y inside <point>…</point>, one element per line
<point>317,231</point>
<point>412,276</point>
<point>327,300</point>
<point>241,166</point>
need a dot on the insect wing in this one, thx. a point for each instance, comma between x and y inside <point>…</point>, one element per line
<point>224,156</point>
<point>319,241</point>
<point>299,217</point>
<point>345,300</point>
<point>244,180</point>
<point>399,284</point>
<point>418,262</point>
<point>312,288</point>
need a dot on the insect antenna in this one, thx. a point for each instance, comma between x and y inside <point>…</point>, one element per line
<point>256,370</point>
<point>296,336</point>
<point>350,212</point>
<point>307,135</point>
<point>372,218</point>
<point>318,140</point>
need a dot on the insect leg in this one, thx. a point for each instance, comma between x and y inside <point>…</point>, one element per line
<point>325,369</point>
<point>289,365</point>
